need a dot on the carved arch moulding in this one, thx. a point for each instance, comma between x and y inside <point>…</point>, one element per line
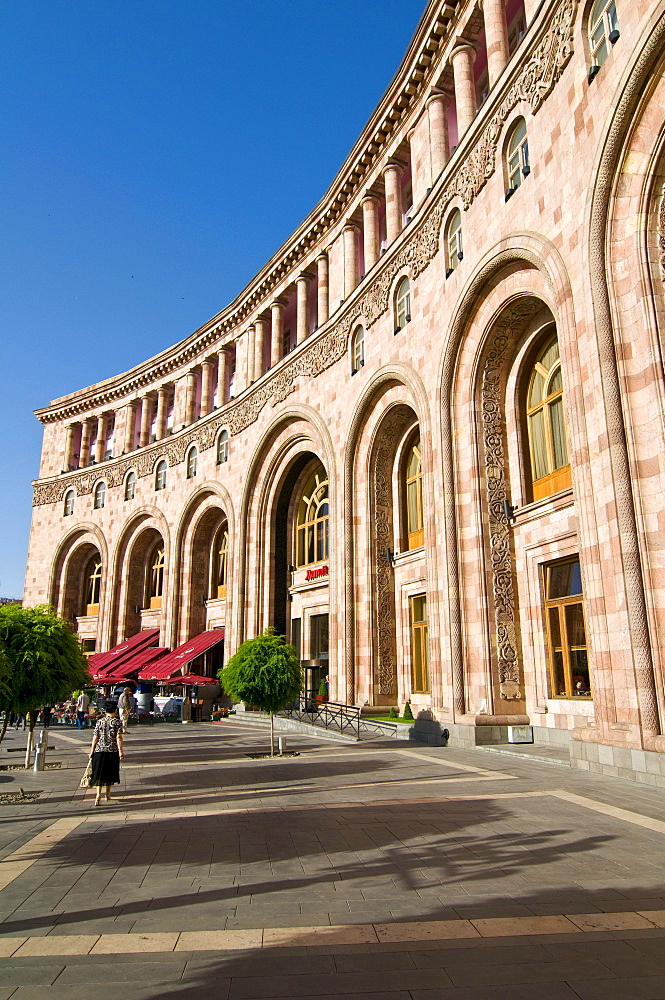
<point>535,82</point>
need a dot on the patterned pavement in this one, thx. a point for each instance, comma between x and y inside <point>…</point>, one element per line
<point>388,870</point>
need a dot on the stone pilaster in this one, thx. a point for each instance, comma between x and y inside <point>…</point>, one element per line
<point>323,306</point>
<point>371,242</point>
<point>302,308</point>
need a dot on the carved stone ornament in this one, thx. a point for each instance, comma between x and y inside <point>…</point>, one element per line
<point>536,80</point>
<point>499,349</point>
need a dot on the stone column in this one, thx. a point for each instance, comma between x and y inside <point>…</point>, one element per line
<point>437,111</point>
<point>241,364</point>
<point>68,457</point>
<point>85,442</point>
<point>162,407</point>
<point>276,330</point>
<point>302,308</point>
<point>190,397</point>
<point>322,289</point>
<point>530,8</point>
<point>206,387</point>
<point>259,347</point>
<point>465,86</point>
<point>350,258</point>
<point>146,420</point>
<point>496,38</point>
<point>130,420</point>
<point>371,242</point>
<point>222,377</point>
<point>392,176</point>
<point>249,357</point>
<point>100,443</point>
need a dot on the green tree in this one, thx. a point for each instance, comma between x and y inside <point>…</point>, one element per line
<point>44,659</point>
<point>265,672</point>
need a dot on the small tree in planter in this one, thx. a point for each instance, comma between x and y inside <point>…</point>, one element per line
<point>45,660</point>
<point>265,672</point>
<point>322,696</point>
<point>408,714</point>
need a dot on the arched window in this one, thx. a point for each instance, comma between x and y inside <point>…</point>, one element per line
<point>130,486</point>
<point>192,462</point>
<point>223,448</point>
<point>546,422</point>
<point>312,521</point>
<point>517,156</point>
<point>99,495</point>
<point>402,305</point>
<point>220,561</point>
<point>358,350</point>
<point>92,586</point>
<point>454,247</point>
<point>155,578</point>
<point>413,487</point>
<point>69,503</point>
<point>160,475</point>
<point>603,29</point>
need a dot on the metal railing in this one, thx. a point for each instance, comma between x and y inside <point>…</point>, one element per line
<point>334,715</point>
<point>326,715</point>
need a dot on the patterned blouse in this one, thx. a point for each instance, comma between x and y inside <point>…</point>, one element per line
<point>106,731</point>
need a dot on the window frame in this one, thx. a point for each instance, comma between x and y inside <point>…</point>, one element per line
<point>402,303</point>
<point>68,505</point>
<point>317,528</point>
<point>454,244</point>
<point>155,568</point>
<point>415,535</point>
<point>419,628</point>
<point>517,158</point>
<point>557,478</point>
<point>161,470</point>
<point>608,20</point>
<point>559,605</point>
<point>99,495</point>
<point>220,562</point>
<point>192,462</point>
<point>93,585</point>
<point>223,447</point>
<point>358,349</point>
<point>130,485</point>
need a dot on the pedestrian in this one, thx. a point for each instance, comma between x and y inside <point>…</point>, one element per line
<point>46,715</point>
<point>106,751</point>
<point>20,719</point>
<point>127,705</point>
<point>82,703</point>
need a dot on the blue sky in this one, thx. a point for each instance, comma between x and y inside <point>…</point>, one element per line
<point>155,154</point>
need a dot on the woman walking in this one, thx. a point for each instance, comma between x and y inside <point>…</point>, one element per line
<point>106,751</point>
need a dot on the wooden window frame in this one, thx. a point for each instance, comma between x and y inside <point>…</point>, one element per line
<point>93,586</point>
<point>402,303</point>
<point>557,479</point>
<point>314,525</point>
<point>415,538</point>
<point>518,158</point>
<point>559,604</point>
<point>221,561</point>
<point>419,641</point>
<point>155,571</point>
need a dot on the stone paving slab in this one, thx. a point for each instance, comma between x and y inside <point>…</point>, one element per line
<point>381,871</point>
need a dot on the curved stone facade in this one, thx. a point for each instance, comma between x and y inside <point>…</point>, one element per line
<point>396,355</point>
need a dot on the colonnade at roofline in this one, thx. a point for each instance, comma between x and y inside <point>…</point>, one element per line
<point>476,59</point>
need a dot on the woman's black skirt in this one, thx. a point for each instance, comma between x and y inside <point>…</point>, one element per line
<point>105,767</point>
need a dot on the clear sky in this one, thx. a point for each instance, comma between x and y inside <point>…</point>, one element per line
<point>155,154</point>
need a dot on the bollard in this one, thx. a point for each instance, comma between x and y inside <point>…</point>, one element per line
<point>40,757</point>
<point>281,744</point>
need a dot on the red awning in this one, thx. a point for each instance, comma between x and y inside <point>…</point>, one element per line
<point>114,657</point>
<point>189,679</point>
<point>173,663</point>
<point>130,668</point>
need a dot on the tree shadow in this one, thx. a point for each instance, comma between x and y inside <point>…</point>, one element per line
<point>427,858</point>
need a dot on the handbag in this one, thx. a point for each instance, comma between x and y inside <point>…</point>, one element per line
<point>87,775</point>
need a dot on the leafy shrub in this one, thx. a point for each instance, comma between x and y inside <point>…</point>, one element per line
<point>407,713</point>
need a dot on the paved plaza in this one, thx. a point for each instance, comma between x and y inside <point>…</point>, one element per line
<point>384,870</point>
